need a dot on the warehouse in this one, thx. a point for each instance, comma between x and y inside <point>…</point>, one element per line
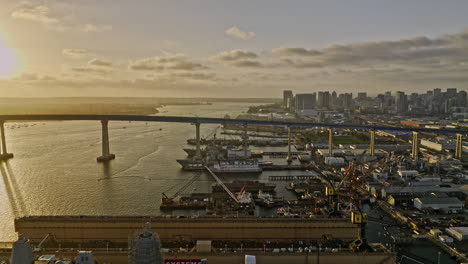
<point>446,204</point>
<point>459,233</point>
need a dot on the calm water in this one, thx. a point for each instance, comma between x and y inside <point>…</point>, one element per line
<point>54,171</point>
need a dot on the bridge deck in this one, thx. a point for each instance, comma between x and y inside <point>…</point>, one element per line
<point>211,120</point>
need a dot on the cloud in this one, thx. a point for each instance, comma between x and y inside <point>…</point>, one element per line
<point>76,53</point>
<point>101,63</point>
<point>416,52</point>
<point>40,13</point>
<point>28,76</point>
<point>236,55</point>
<point>58,15</point>
<point>247,64</point>
<point>197,76</point>
<point>170,62</point>
<point>235,32</point>
<point>92,70</point>
<point>297,51</point>
<point>95,28</point>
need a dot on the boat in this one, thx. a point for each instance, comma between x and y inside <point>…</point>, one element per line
<point>267,200</point>
<point>231,166</point>
<point>190,164</point>
<point>251,186</point>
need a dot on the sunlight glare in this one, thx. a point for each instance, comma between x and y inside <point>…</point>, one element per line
<point>8,61</point>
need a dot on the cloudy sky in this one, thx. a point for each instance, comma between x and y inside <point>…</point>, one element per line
<point>225,48</point>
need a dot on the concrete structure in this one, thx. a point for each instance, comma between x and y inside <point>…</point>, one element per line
<point>86,257</point>
<point>372,142</point>
<point>459,147</point>
<point>287,97</point>
<point>407,174</point>
<point>198,155</point>
<point>459,233</point>
<point>314,257</point>
<point>438,144</point>
<point>145,248</point>
<point>401,102</point>
<point>305,101</point>
<point>106,155</point>
<point>81,229</point>
<point>289,157</point>
<point>449,204</point>
<point>4,155</point>
<point>22,252</point>
<point>415,146</point>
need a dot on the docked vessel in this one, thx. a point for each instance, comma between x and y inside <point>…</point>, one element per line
<point>233,166</point>
<point>250,186</point>
<point>190,164</point>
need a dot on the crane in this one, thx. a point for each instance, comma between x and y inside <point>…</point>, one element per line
<point>168,200</point>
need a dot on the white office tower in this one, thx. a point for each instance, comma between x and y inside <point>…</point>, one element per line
<point>21,252</point>
<point>84,257</point>
<point>145,248</point>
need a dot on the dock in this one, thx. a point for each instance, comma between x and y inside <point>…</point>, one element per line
<point>291,178</point>
<point>285,167</point>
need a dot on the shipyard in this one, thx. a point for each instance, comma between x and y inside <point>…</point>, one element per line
<point>308,195</point>
<point>233,132</point>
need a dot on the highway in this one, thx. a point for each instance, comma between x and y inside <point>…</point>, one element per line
<point>211,120</point>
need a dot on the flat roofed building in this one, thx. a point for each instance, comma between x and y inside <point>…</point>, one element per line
<point>459,233</point>
<point>436,203</point>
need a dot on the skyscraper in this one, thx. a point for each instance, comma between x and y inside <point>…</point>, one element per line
<point>401,102</point>
<point>305,101</point>
<point>287,95</point>
<point>323,99</point>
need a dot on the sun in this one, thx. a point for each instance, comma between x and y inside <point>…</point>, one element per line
<point>8,61</point>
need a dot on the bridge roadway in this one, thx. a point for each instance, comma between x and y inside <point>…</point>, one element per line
<point>106,155</point>
<point>211,120</point>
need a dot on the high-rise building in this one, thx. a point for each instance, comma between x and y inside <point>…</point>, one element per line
<point>145,248</point>
<point>334,98</point>
<point>347,100</point>
<point>437,92</point>
<point>287,95</point>
<point>451,92</point>
<point>306,101</point>
<point>323,99</point>
<point>362,95</point>
<point>462,99</point>
<point>401,102</point>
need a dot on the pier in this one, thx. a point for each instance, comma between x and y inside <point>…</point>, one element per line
<point>291,178</point>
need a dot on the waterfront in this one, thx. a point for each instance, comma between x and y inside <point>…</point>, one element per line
<point>54,171</point>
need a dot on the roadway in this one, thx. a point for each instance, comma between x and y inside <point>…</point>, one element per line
<point>211,120</point>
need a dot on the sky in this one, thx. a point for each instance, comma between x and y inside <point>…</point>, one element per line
<point>222,48</point>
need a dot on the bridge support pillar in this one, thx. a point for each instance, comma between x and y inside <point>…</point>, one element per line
<point>330,142</point>
<point>415,146</point>
<point>459,147</point>
<point>372,142</point>
<point>289,158</point>
<point>245,138</point>
<point>4,155</point>
<point>106,155</point>
<point>198,155</point>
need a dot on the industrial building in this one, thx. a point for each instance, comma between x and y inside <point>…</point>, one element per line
<point>447,204</point>
<point>459,233</point>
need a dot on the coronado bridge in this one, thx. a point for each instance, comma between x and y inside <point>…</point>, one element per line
<point>104,119</point>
